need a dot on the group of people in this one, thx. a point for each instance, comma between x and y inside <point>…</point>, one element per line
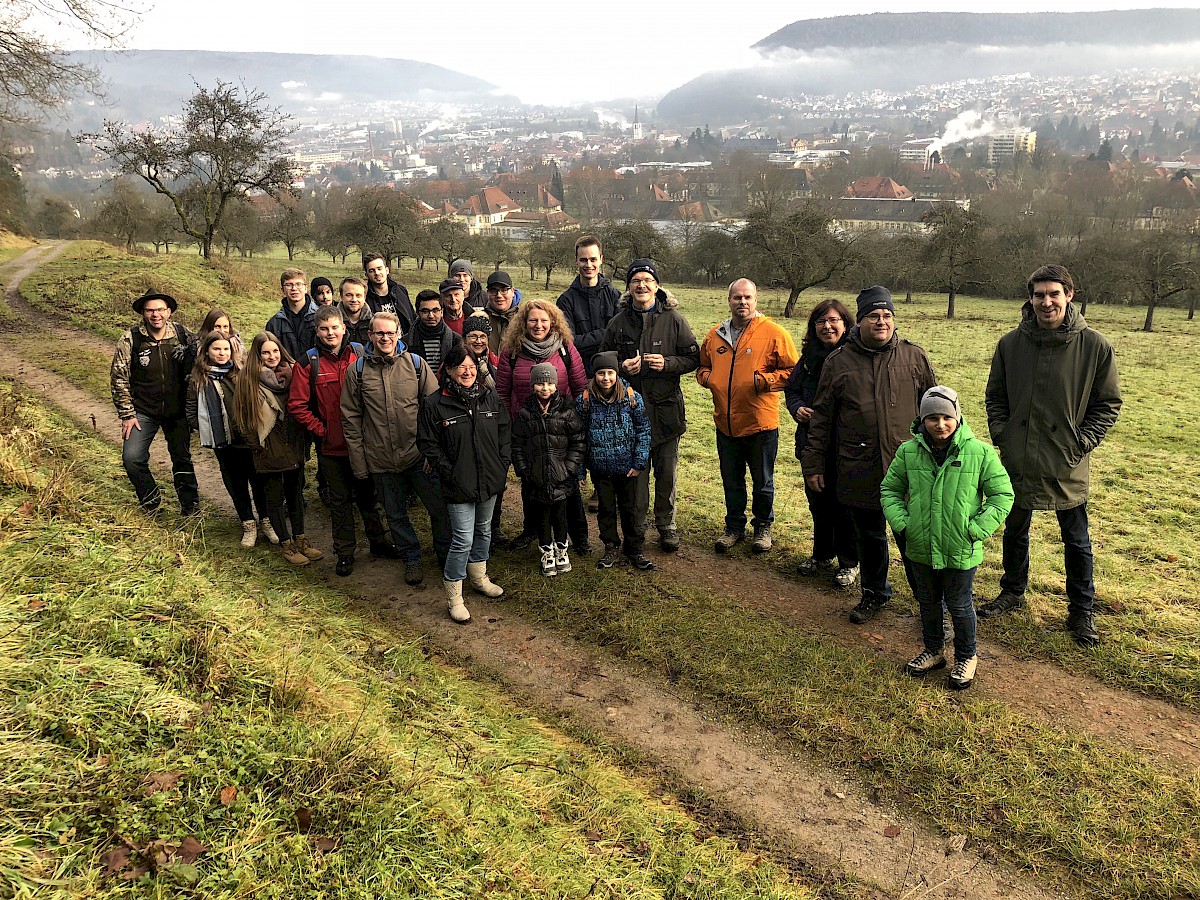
<point>437,401</point>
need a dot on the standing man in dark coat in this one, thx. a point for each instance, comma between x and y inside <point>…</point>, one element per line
<point>656,348</point>
<point>293,323</point>
<point>1052,395</point>
<point>384,293</point>
<point>590,302</point>
<point>869,393</point>
<point>149,378</point>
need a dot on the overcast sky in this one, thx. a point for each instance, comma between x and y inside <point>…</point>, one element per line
<point>541,51</point>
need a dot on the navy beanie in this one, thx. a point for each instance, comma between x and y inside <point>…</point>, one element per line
<point>873,298</point>
<point>642,265</point>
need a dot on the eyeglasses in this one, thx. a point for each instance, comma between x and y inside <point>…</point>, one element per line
<point>879,317</point>
<point>643,281</point>
<point>289,285</point>
<point>383,334</point>
<point>159,310</point>
<point>832,320</point>
<point>498,288</point>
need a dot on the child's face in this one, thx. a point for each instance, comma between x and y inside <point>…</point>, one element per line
<point>219,352</point>
<point>606,379</point>
<point>941,426</point>
<point>545,390</point>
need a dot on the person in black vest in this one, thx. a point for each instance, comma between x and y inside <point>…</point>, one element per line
<point>149,377</point>
<point>384,293</point>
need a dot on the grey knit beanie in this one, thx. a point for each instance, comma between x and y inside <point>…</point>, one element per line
<point>543,373</point>
<point>940,401</point>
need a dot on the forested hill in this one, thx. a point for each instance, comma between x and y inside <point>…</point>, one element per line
<point>894,30</point>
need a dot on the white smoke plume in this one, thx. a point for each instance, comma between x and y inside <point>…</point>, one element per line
<point>967,125</point>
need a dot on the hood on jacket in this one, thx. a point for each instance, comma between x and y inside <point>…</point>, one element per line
<point>663,299</point>
<point>1073,323</point>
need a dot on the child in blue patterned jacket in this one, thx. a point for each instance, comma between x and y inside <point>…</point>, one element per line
<point>618,456</point>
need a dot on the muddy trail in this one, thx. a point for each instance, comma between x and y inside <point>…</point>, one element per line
<point>763,793</point>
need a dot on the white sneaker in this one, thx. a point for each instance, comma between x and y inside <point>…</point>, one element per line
<point>963,673</point>
<point>562,562</point>
<point>845,577</point>
<point>924,663</point>
<point>548,567</point>
<point>264,525</point>
<point>249,533</point>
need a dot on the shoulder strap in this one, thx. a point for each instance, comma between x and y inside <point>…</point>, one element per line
<point>314,370</point>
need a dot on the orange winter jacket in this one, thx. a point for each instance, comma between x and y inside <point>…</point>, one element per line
<point>744,379</point>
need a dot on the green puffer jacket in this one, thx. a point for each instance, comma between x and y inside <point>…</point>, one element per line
<point>946,511</point>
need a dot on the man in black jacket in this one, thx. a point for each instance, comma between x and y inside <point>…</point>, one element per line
<point>384,293</point>
<point>293,323</point>
<point>430,338</point>
<point>591,301</point>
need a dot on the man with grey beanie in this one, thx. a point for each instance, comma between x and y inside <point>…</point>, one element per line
<point>869,393</point>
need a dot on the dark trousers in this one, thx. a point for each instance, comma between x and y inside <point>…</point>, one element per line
<point>241,481</point>
<point>549,520</point>
<point>870,529</point>
<point>135,457</point>
<point>757,453</point>
<point>953,589</point>
<point>630,497</point>
<point>285,501</point>
<point>342,493</point>
<point>397,490</point>
<point>664,463</point>
<point>1077,555</point>
<point>833,527</point>
<point>577,523</point>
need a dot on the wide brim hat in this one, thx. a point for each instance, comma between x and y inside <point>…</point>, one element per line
<point>140,303</point>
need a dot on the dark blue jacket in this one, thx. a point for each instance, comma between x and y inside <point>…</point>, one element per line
<point>297,332</point>
<point>588,311</point>
<point>618,431</point>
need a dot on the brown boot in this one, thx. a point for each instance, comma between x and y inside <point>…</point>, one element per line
<point>308,549</point>
<point>292,553</point>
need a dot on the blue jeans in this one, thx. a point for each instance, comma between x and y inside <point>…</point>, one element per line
<point>757,453</point>
<point>470,536</point>
<point>135,456</point>
<point>954,588</point>
<point>397,490</point>
<point>1077,555</point>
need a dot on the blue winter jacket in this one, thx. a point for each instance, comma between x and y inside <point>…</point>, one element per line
<point>618,431</point>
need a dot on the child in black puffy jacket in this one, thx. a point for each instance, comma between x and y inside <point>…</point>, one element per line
<point>548,451</point>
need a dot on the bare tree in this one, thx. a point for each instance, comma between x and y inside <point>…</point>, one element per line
<point>123,214</point>
<point>229,143</point>
<point>955,244</point>
<point>382,220</point>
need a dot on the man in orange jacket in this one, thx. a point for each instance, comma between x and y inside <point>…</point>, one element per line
<point>744,361</point>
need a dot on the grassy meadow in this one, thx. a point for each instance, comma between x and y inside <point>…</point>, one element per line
<point>1103,821</point>
<point>179,723</point>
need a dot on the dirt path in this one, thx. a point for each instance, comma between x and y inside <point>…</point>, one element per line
<point>813,814</point>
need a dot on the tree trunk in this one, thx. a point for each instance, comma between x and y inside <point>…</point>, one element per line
<point>548,271</point>
<point>1149,323</point>
<point>790,307</point>
<point>950,303</point>
<point>291,252</point>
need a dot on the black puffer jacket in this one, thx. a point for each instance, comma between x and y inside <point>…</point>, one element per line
<point>469,446</point>
<point>548,450</point>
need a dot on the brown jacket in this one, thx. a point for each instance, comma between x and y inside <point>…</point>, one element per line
<point>379,417</point>
<point>865,405</point>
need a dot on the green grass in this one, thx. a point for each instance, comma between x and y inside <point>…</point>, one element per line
<point>156,696</point>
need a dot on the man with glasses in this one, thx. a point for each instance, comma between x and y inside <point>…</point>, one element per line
<point>384,293</point>
<point>591,301</point>
<point>501,306</point>
<point>868,396</point>
<point>293,324</point>
<point>430,338</point>
<point>380,402</point>
<point>149,377</point>
<point>656,348</point>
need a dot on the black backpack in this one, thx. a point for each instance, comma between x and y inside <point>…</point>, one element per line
<point>314,368</point>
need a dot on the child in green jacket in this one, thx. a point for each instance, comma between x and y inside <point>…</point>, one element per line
<point>947,492</point>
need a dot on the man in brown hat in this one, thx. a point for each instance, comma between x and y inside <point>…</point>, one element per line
<point>149,385</point>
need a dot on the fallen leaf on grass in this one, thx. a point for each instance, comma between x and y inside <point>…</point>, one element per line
<point>189,850</point>
<point>160,781</point>
<point>325,844</point>
<point>115,860</point>
<point>35,604</point>
<point>592,836</point>
<point>996,814</point>
<point>228,794</point>
<point>892,831</point>
<point>26,508</point>
<point>303,819</point>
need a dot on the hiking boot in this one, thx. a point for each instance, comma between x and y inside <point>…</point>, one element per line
<point>562,561</point>
<point>762,539</point>
<point>549,569</point>
<point>640,561</point>
<point>1082,626</point>
<point>726,542</point>
<point>1005,603</point>
<point>480,583</point>
<point>454,602</point>
<point>963,673</point>
<point>249,533</point>
<point>268,531</point>
<point>612,553</point>
<point>867,608</point>
<point>291,554</point>
<point>308,549</point>
<point>345,565</point>
<point>413,574</point>
<point>520,542</point>
<point>845,577</point>
<point>924,663</point>
<point>813,566</point>
<point>384,550</point>
<point>668,539</point>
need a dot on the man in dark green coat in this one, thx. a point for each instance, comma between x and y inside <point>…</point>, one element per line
<point>1052,396</point>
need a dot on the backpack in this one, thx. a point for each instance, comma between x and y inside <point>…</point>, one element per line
<point>314,368</point>
<point>630,398</point>
<point>361,361</point>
